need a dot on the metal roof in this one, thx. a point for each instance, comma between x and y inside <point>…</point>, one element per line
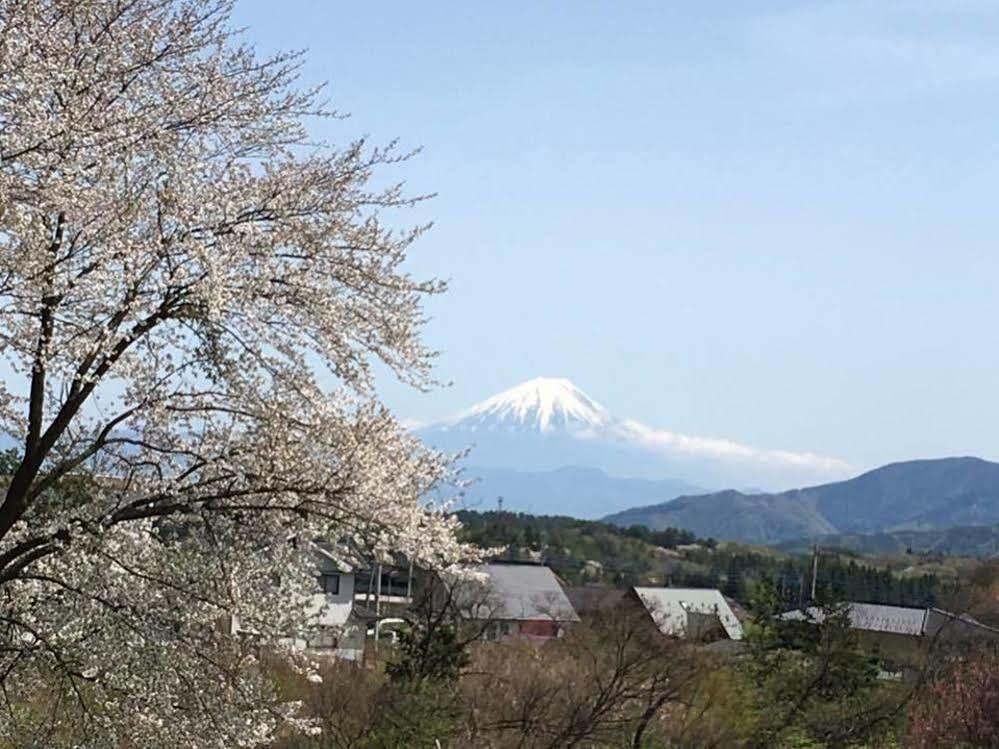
<point>900,620</point>
<point>881,618</point>
<point>670,608</point>
<point>527,592</point>
<point>874,617</point>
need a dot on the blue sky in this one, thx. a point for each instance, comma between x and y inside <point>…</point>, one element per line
<point>773,222</point>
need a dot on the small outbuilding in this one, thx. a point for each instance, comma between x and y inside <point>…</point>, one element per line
<point>701,614</point>
<point>691,613</point>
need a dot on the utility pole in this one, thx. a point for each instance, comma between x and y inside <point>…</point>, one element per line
<point>367,592</point>
<point>815,568</point>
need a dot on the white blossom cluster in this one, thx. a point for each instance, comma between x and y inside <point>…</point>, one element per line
<point>180,270</point>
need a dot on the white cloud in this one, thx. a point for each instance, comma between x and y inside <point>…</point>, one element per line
<point>672,444</point>
<point>523,411</point>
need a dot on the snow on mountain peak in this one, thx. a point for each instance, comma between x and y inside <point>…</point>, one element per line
<point>548,422</point>
<point>541,404</point>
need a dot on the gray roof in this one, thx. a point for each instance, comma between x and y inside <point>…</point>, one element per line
<point>901,620</point>
<point>332,557</point>
<point>880,618</point>
<point>526,592</point>
<point>874,617</point>
<point>670,607</point>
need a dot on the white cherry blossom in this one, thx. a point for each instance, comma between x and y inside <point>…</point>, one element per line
<point>192,296</point>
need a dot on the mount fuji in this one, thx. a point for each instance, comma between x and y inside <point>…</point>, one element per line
<point>540,405</point>
<point>545,447</point>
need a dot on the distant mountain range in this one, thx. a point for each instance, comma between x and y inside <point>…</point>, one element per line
<point>547,448</point>
<point>546,424</point>
<point>921,495</point>
<point>571,490</point>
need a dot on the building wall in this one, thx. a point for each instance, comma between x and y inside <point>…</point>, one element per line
<point>332,630</point>
<point>510,629</point>
<point>703,627</point>
<point>951,629</point>
<point>910,651</point>
<point>333,610</point>
<point>336,631</point>
<point>545,630</point>
<point>906,651</point>
<point>346,641</point>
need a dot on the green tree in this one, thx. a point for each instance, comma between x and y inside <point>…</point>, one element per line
<point>733,578</point>
<point>429,654</point>
<point>812,683</point>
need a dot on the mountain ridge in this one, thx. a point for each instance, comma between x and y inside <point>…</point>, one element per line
<point>580,491</point>
<point>909,495</point>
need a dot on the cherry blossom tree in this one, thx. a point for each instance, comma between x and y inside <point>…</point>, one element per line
<point>960,707</point>
<point>192,296</point>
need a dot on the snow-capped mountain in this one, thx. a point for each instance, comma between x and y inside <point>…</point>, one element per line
<point>547,424</point>
<point>544,404</point>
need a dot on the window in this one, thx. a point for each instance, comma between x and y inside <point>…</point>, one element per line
<point>330,583</point>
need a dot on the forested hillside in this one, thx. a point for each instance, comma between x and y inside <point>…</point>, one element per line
<point>597,553</point>
<point>961,541</point>
<point>579,550</point>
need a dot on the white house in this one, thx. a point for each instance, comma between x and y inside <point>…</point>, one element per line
<point>330,627</point>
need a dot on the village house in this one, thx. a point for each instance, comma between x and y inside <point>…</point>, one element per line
<point>383,589</point>
<point>701,614</point>
<point>521,601</point>
<point>332,628</point>
<point>902,636</point>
